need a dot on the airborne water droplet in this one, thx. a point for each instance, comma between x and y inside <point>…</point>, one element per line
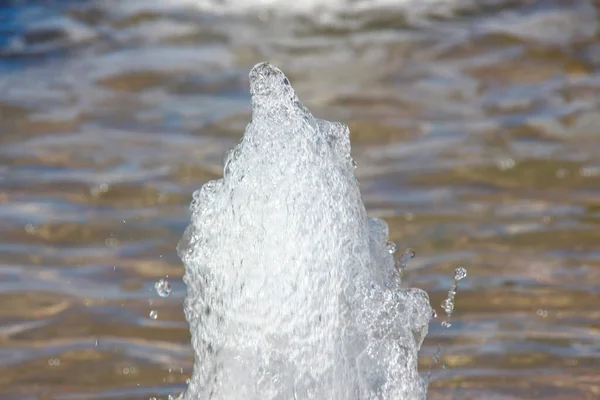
<point>448,303</point>
<point>460,273</point>
<point>391,247</point>
<point>153,314</point>
<point>408,255</point>
<point>163,288</point>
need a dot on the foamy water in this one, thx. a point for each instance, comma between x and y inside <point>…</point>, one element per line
<point>292,291</point>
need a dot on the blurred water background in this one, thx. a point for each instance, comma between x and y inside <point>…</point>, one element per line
<point>475,126</point>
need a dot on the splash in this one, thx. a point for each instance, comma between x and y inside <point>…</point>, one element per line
<point>291,290</point>
<point>448,303</point>
<point>448,307</point>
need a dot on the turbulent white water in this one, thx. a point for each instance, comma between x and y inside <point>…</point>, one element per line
<point>292,292</point>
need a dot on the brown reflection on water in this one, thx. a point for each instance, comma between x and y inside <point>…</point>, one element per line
<point>476,138</point>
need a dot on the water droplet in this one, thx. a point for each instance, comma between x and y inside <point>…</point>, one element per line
<point>561,173</point>
<point>29,228</point>
<point>391,247</point>
<point>507,164</point>
<point>436,359</point>
<point>111,242</point>
<point>408,255</point>
<point>408,216</point>
<point>401,263</point>
<point>54,362</point>
<point>163,288</point>
<point>153,314</point>
<point>448,303</point>
<point>97,343</point>
<point>460,273</point>
<point>542,313</point>
<point>99,189</point>
<point>589,171</point>
<point>187,381</point>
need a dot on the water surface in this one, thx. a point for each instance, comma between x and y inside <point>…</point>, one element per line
<point>474,127</point>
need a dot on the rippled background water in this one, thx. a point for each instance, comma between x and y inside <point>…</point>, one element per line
<point>475,126</point>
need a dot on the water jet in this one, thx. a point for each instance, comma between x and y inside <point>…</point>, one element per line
<point>292,291</point>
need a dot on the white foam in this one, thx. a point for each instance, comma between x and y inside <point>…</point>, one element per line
<point>291,289</point>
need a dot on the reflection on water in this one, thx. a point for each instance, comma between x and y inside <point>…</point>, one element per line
<point>475,126</point>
